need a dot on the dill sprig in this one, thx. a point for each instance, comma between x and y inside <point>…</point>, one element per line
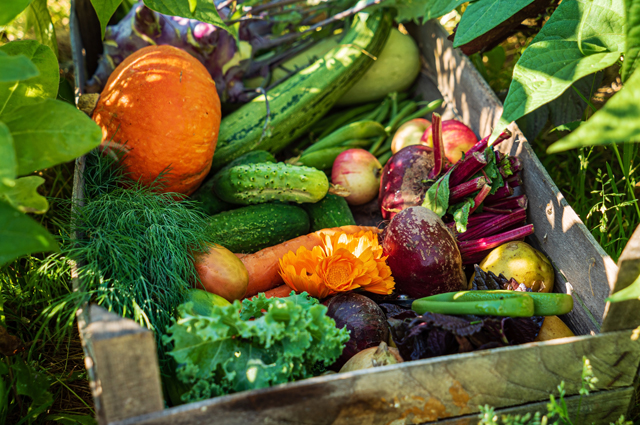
<point>136,255</point>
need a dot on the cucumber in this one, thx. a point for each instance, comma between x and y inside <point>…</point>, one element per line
<point>210,203</point>
<point>250,229</point>
<point>260,183</point>
<point>293,106</point>
<point>332,211</point>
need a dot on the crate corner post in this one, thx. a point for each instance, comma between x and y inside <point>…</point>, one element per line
<point>123,364</point>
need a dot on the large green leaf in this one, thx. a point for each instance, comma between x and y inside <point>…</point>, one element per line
<point>484,15</point>
<point>16,68</point>
<point>24,195</point>
<point>421,10</point>
<point>33,90</point>
<point>10,9</point>
<point>21,235</point>
<point>632,51</point>
<point>8,161</point>
<point>105,10</point>
<point>49,133</point>
<point>202,10</point>
<point>618,121</point>
<point>40,18</point>
<point>580,38</point>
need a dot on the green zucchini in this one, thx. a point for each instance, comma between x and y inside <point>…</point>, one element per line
<point>260,183</point>
<point>332,211</point>
<point>250,229</point>
<point>210,203</point>
<point>293,106</point>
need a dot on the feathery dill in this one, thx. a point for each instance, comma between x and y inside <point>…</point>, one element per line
<point>137,253</point>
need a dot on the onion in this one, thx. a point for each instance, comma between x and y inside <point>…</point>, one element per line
<point>382,355</point>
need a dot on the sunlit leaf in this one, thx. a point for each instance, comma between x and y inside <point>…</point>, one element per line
<point>40,18</point>
<point>632,51</point>
<point>202,10</point>
<point>616,122</point>
<point>33,90</point>
<point>484,15</point>
<point>105,10</point>
<point>10,9</point>
<point>421,10</point>
<point>24,195</point>
<point>8,160</point>
<point>16,68</point>
<point>49,133</point>
<point>21,235</point>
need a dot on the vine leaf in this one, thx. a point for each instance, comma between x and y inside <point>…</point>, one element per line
<point>105,10</point>
<point>202,10</point>
<point>24,196</point>
<point>484,15</point>
<point>40,18</point>
<point>421,10</point>
<point>581,38</point>
<point>632,52</point>
<point>8,161</point>
<point>11,9</point>
<point>20,235</point>
<point>616,122</point>
<point>16,68</point>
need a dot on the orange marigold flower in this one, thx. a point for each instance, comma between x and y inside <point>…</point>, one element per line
<point>342,263</point>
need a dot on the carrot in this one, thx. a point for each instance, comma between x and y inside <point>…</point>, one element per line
<point>263,265</point>
<point>278,292</point>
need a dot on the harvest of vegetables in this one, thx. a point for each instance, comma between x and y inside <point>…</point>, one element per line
<point>259,197</point>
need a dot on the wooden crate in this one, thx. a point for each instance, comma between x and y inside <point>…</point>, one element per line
<point>121,357</point>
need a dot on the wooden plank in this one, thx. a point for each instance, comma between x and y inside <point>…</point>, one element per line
<point>423,390</point>
<point>558,230</point>
<point>122,356</point>
<point>602,407</point>
<point>625,314</point>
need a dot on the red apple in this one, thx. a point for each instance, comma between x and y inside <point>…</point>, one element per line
<point>409,133</point>
<point>457,138</point>
<point>359,172</point>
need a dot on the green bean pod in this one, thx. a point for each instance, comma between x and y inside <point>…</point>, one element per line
<point>337,120</point>
<point>356,130</point>
<point>431,106</point>
<point>322,159</point>
<point>520,306</point>
<point>394,123</point>
<point>384,158</point>
<point>357,143</point>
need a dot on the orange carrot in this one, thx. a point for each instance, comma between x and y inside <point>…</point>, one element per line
<point>278,292</point>
<point>263,265</point>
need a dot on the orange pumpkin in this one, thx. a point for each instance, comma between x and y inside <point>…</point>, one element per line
<point>160,105</point>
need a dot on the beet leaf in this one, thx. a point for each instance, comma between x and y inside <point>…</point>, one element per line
<point>460,213</point>
<point>437,197</point>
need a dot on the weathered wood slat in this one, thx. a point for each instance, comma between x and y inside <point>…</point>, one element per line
<point>123,358</point>
<point>625,314</point>
<point>558,230</point>
<point>423,390</point>
<point>603,407</point>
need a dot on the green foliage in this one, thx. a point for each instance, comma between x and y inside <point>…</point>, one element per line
<point>483,15</point>
<point>437,196</point>
<point>40,18</point>
<point>460,214</point>
<point>256,344</point>
<point>36,132</point>
<point>105,10</point>
<point>632,51</point>
<point>421,10</point>
<point>12,8</point>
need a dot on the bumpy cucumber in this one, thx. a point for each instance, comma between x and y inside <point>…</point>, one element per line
<point>250,229</point>
<point>332,211</point>
<point>260,183</point>
<point>210,203</point>
<point>293,106</point>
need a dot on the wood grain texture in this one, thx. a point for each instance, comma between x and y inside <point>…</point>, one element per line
<point>558,230</point>
<point>423,390</point>
<point>625,314</point>
<point>603,407</point>
<point>124,360</point>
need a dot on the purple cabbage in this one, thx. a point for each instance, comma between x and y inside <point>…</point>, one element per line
<point>212,46</point>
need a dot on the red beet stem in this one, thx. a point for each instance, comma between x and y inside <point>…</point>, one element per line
<point>480,197</point>
<point>438,146</point>
<point>501,193</point>
<point>515,180</point>
<point>493,226</point>
<point>510,203</point>
<point>466,168</point>
<point>482,144</point>
<point>497,210</point>
<point>483,244</point>
<point>480,218</point>
<point>461,191</point>
<point>516,164</point>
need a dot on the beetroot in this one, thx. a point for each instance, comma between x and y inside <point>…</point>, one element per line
<point>363,318</point>
<point>404,179</point>
<point>422,254</point>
